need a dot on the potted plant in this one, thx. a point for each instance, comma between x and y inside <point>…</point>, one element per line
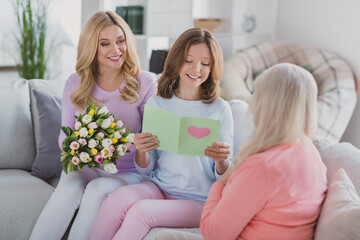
<point>31,38</point>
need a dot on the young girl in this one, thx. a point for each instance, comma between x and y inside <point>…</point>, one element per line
<point>179,184</point>
<point>108,72</point>
<point>277,190</point>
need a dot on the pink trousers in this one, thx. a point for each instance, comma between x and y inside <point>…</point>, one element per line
<point>131,211</point>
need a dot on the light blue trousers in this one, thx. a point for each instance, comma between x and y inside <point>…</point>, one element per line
<point>84,190</point>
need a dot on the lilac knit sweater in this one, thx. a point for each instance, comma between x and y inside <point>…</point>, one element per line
<point>130,113</point>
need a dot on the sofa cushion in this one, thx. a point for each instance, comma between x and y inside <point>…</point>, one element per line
<point>242,121</point>
<point>334,77</point>
<point>53,88</point>
<point>17,138</point>
<point>22,199</point>
<point>340,214</point>
<point>340,155</point>
<point>47,162</point>
<point>233,84</point>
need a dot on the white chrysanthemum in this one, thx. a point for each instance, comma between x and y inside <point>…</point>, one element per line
<point>84,157</point>
<point>83,132</point>
<point>117,135</point>
<point>106,152</point>
<point>93,143</point>
<point>106,142</point>
<point>121,149</point>
<point>103,110</point>
<point>86,119</point>
<point>110,167</point>
<point>130,137</point>
<point>106,123</point>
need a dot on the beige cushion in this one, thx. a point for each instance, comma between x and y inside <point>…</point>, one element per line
<point>340,155</point>
<point>233,83</point>
<point>340,214</point>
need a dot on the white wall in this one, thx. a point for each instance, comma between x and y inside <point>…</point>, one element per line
<point>331,25</point>
<point>63,30</point>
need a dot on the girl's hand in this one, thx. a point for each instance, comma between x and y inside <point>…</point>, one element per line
<point>144,142</point>
<point>218,151</point>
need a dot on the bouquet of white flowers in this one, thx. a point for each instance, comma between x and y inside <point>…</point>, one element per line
<point>98,138</point>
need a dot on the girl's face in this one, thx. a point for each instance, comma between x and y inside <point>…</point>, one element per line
<point>111,53</point>
<point>196,68</point>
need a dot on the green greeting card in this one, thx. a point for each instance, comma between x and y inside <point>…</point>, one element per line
<point>187,135</point>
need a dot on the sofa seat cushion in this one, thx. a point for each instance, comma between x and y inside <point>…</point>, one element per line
<point>22,198</point>
<point>17,138</point>
<point>161,233</point>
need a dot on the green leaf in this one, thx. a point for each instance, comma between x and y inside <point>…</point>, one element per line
<point>99,122</point>
<point>109,130</point>
<point>67,130</point>
<point>69,139</point>
<point>80,118</point>
<point>98,109</point>
<point>65,163</point>
<point>106,161</point>
<point>80,166</point>
<point>126,133</point>
<point>91,106</point>
<point>89,151</point>
<point>31,42</point>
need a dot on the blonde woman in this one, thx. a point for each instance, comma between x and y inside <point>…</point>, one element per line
<point>107,72</point>
<point>277,183</point>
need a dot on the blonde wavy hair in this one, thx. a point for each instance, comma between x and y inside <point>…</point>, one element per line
<point>284,109</point>
<point>87,64</point>
<point>169,80</point>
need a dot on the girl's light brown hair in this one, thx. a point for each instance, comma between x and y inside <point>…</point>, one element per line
<point>87,65</point>
<point>169,80</point>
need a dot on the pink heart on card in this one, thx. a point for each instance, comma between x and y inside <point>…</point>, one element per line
<point>198,133</point>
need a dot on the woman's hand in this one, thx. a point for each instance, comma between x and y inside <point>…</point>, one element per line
<point>144,142</point>
<point>220,153</point>
<point>225,177</point>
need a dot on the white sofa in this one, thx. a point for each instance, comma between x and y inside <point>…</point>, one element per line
<point>29,154</point>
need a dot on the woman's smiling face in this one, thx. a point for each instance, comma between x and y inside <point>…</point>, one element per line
<point>111,53</point>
